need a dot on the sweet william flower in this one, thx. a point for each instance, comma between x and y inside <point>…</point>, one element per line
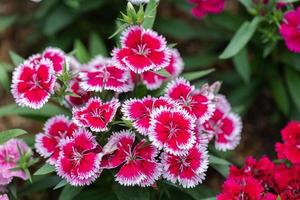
<point>79,97</point>
<point>290,30</point>
<point>290,148</point>
<point>95,114</point>
<point>139,111</point>
<point>33,83</point>
<point>79,158</point>
<point>138,165</point>
<point>4,197</point>
<point>188,170</point>
<point>55,129</point>
<point>204,7</point>
<point>142,50</point>
<point>57,57</point>
<point>172,130</point>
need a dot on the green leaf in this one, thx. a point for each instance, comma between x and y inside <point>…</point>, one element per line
<point>292,79</point>
<point>241,38</point>
<point>246,3</point>
<point>219,164</point>
<point>131,193</point>
<point>62,183</point>
<point>81,52</point>
<point>45,169</point>
<point>222,169</point>
<point>6,21</point>
<point>9,134</point>
<point>278,198</point>
<point>16,59</point>
<point>218,161</point>
<point>49,110</point>
<point>199,61</point>
<point>280,94</point>
<point>97,46</point>
<point>119,30</point>
<point>150,14</point>
<point>242,65</point>
<point>286,1</point>
<point>190,76</point>
<point>163,73</point>
<point>69,192</point>
<point>4,79</point>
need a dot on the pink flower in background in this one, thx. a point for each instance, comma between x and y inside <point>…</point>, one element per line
<point>79,158</point>
<point>172,130</point>
<point>204,7</point>
<point>55,129</point>
<point>79,97</point>
<point>142,50</point>
<point>198,103</point>
<point>95,114</point>
<point>10,153</point>
<point>57,57</point>
<point>4,197</point>
<point>290,30</point>
<point>138,164</point>
<point>139,111</point>
<point>290,148</point>
<point>188,170</point>
<point>102,74</point>
<point>33,83</point>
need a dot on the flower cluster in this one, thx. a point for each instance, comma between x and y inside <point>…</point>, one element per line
<point>166,136</point>
<point>10,155</point>
<point>204,7</point>
<point>263,179</point>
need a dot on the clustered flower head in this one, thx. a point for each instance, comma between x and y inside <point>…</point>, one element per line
<point>265,180</point>
<point>290,30</point>
<point>10,155</point>
<point>141,139</point>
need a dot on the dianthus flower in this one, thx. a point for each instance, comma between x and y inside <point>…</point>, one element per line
<point>79,158</point>
<point>55,129</point>
<point>33,83</point>
<point>139,111</point>
<point>225,125</point>
<point>95,114</point>
<point>142,50</point>
<point>3,197</point>
<point>138,164</point>
<point>79,96</point>
<point>290,148</point>
<point>57,57</point>
<point>204,7</point>
<point>290,30</point>
<point>10,153</point>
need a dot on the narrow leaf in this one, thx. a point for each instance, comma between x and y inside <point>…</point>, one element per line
<point>97,46</point>
<point>69,192</point>
<point>190,76</point>
<point>4,79</point>
<point>163,73</point>
<point>217,160</point>
<point>10,134</point>
<point>241,38</point>
<point>62,183</point>
<point>81,52</point>
<point>6,21</point>
<point>293,83</point>
<point>150,14</point>
<point>45,169</point>
<point>16,59</point>
<point>280,94</point>
<point>242,65</point>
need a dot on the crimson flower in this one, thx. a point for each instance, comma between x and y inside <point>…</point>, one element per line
<point>204,7</point>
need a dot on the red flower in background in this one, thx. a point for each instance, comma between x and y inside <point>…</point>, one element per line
<point>142,50</point>
<point>79,158</point>
<point>95,114</point>
<point>189,169</point>
<point>57,57</point>
<point>290,148</point>
<point>55,129</point>
<point>33,83</point>
<point>290,30</point>
<point>172,130</point>
<point>139,111</point>
<point>80,96</point>
<point>102,74</point>
<point>204,7</point>
<point>138,164</point>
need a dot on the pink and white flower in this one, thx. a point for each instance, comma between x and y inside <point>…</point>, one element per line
<point>142,50</point>
<point>95,114</point>
<point>139,111</point>
<point>153,81</point>
<point>10,153</point>
<point>102,74</point>
<point>198,103</point>
<point>225,125</point>
<point>55,129</point>
<point>189,169</point>
<point>80,96</point>
<point>33,83</point>
<point>79,159</point>
<point>172,130</point>
<point>57,57</point>
<point>137,164</point>
<point>4,197</point>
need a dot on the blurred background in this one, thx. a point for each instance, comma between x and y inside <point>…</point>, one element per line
<point>261,83</point>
